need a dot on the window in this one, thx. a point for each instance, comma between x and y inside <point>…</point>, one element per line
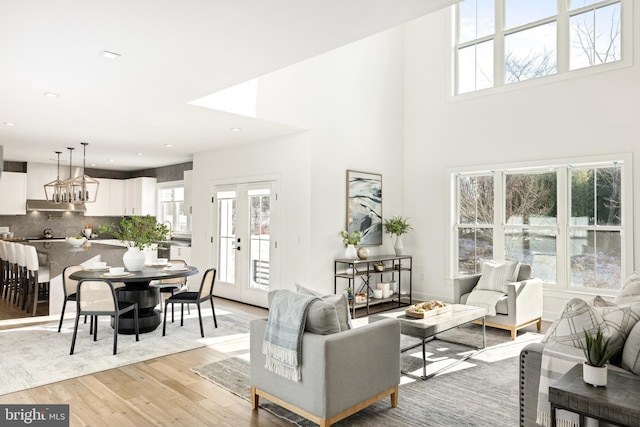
<point>570,222</point>
<point>501,42</point>
<point>172,208</point>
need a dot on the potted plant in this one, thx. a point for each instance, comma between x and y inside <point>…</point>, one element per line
<point>351,240</point>
<point>397,226</point>
<point>137,233</point>
<point>596,351</point>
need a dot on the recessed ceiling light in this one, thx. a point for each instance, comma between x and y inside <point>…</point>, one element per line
<point>9,124</point>
<point>52,94</point>
<point>109,55</point>
<point>111,160</point>
<point>138,154</point>
<point>235,129</point>
<point>93,164</point>
<point>168,145</point>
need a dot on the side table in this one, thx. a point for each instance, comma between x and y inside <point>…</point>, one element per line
<point>617,403</point>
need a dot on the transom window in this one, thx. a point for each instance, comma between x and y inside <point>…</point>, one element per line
<point>501,42</point>
<point>570,221</point>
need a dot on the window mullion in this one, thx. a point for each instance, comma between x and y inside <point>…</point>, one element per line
<point>563,239</point>
<point>498,45</point>
<point>498,215</point>
<point>562,43</point>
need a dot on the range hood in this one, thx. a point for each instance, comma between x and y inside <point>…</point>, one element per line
<point>47,206</point>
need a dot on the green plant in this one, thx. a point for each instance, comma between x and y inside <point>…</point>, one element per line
<point>596,349</point>
<point>351,239</point>
<point>136,231</point>
<point>397,225</point>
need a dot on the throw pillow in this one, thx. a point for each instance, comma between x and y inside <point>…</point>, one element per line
<point>322,317</point>
<point>340,301</point>
<point>496,275</point>
<point>631,351</point>
<point>630,291</point>
<point>613,320</point>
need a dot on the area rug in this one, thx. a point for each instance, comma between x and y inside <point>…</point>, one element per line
<point>36,355</point>
<point>480,389</point>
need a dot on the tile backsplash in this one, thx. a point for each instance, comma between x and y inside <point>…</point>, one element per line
<point>64,224</point>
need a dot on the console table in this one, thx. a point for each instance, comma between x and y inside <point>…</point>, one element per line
<point>394,266</point>
<point>617,403</point>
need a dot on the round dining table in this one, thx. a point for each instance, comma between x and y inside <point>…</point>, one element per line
<point>137,288</point>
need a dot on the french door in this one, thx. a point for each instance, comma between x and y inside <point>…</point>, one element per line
<point>244,240</point>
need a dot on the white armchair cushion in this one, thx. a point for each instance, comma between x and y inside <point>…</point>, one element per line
<point>496,275</point>
<point>340,301</point>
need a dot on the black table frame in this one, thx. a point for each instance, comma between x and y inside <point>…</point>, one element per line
<point>136,289</point>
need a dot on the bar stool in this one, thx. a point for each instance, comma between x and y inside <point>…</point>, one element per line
<point>37,280</point>
<point>23,276</point>
<point>3,269</point>
<point>13,277</point>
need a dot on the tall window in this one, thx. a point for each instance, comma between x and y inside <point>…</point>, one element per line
<point>500,42</point>
<point>569,222</point>
<point>172,208</point>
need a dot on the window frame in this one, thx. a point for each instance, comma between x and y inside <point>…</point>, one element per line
<point>171,185</point>
<point>563,52</point>
<point>563,226</point>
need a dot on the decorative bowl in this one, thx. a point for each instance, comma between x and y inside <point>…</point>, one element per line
<point>75,242</point>
<point>378,267</point>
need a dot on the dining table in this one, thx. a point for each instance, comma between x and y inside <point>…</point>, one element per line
<point>138,288</point>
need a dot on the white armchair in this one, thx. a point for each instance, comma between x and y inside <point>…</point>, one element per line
<point>520,307</point>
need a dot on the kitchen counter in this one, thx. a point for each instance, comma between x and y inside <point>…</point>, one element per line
<point>60,255</point>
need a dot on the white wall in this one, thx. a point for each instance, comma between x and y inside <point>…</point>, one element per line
<point>351,101</point>
<point>583,116</point>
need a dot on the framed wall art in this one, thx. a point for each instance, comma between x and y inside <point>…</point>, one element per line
<point>364,206</point>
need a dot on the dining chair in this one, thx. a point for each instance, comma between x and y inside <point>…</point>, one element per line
<point>205,293</point>
<point>173,285</point>
<point>3,269</point>
<point>69,286</point>
<point>97,297</point>
<point>37,290</point>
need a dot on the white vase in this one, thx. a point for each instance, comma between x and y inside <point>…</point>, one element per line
<point>133,259</point>
<point>398,247</point>
<point>594,375</point>
<point>350,252</point>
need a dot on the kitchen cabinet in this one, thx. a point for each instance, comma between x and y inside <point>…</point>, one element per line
<point>13,193</point>
<point>141,195</point>
<point>117,195</point>
<point>181,252</point>
<point>101,206</point>
<point>188,182</point>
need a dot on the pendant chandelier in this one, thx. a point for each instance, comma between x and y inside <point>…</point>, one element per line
<point>55,190</point>
<point>76,190</point>
<point>83,188</point>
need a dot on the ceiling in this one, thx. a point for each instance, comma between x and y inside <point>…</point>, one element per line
<point>171,52</point>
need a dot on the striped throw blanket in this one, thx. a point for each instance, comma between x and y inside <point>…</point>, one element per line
<point>282,343</point>
<point>557,360</point>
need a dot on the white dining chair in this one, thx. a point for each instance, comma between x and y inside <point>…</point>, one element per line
<point>37,280</point>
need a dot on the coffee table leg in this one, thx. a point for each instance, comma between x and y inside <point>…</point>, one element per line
<point>424,361</point>
<point>484,334</point>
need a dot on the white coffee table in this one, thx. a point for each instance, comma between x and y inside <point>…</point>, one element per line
<point>427,329</point>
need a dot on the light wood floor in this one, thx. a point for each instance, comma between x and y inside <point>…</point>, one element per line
<point>157,392</point>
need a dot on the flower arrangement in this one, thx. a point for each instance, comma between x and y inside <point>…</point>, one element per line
<point>596,349</point>
<point>136,231</point>
<point>397,225</point>
<point>351,239</point>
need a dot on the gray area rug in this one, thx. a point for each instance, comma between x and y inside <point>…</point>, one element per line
<point>37,355</point>
<point>480,389</point>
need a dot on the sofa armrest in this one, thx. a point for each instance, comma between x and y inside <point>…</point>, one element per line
<point>338,370</point>
<point>530,361</point>
<point>524,299</point>
<point>463,285</point>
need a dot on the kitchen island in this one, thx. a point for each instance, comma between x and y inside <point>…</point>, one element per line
<point>60,254</point>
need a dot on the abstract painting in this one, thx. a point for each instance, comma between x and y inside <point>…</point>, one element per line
<point>364,206</point>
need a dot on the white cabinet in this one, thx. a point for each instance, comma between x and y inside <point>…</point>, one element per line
<point>141,195</point>
<point>181,252</point>
<point>102,204</point>
<point>13,193</point>
<point>117,195</point>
